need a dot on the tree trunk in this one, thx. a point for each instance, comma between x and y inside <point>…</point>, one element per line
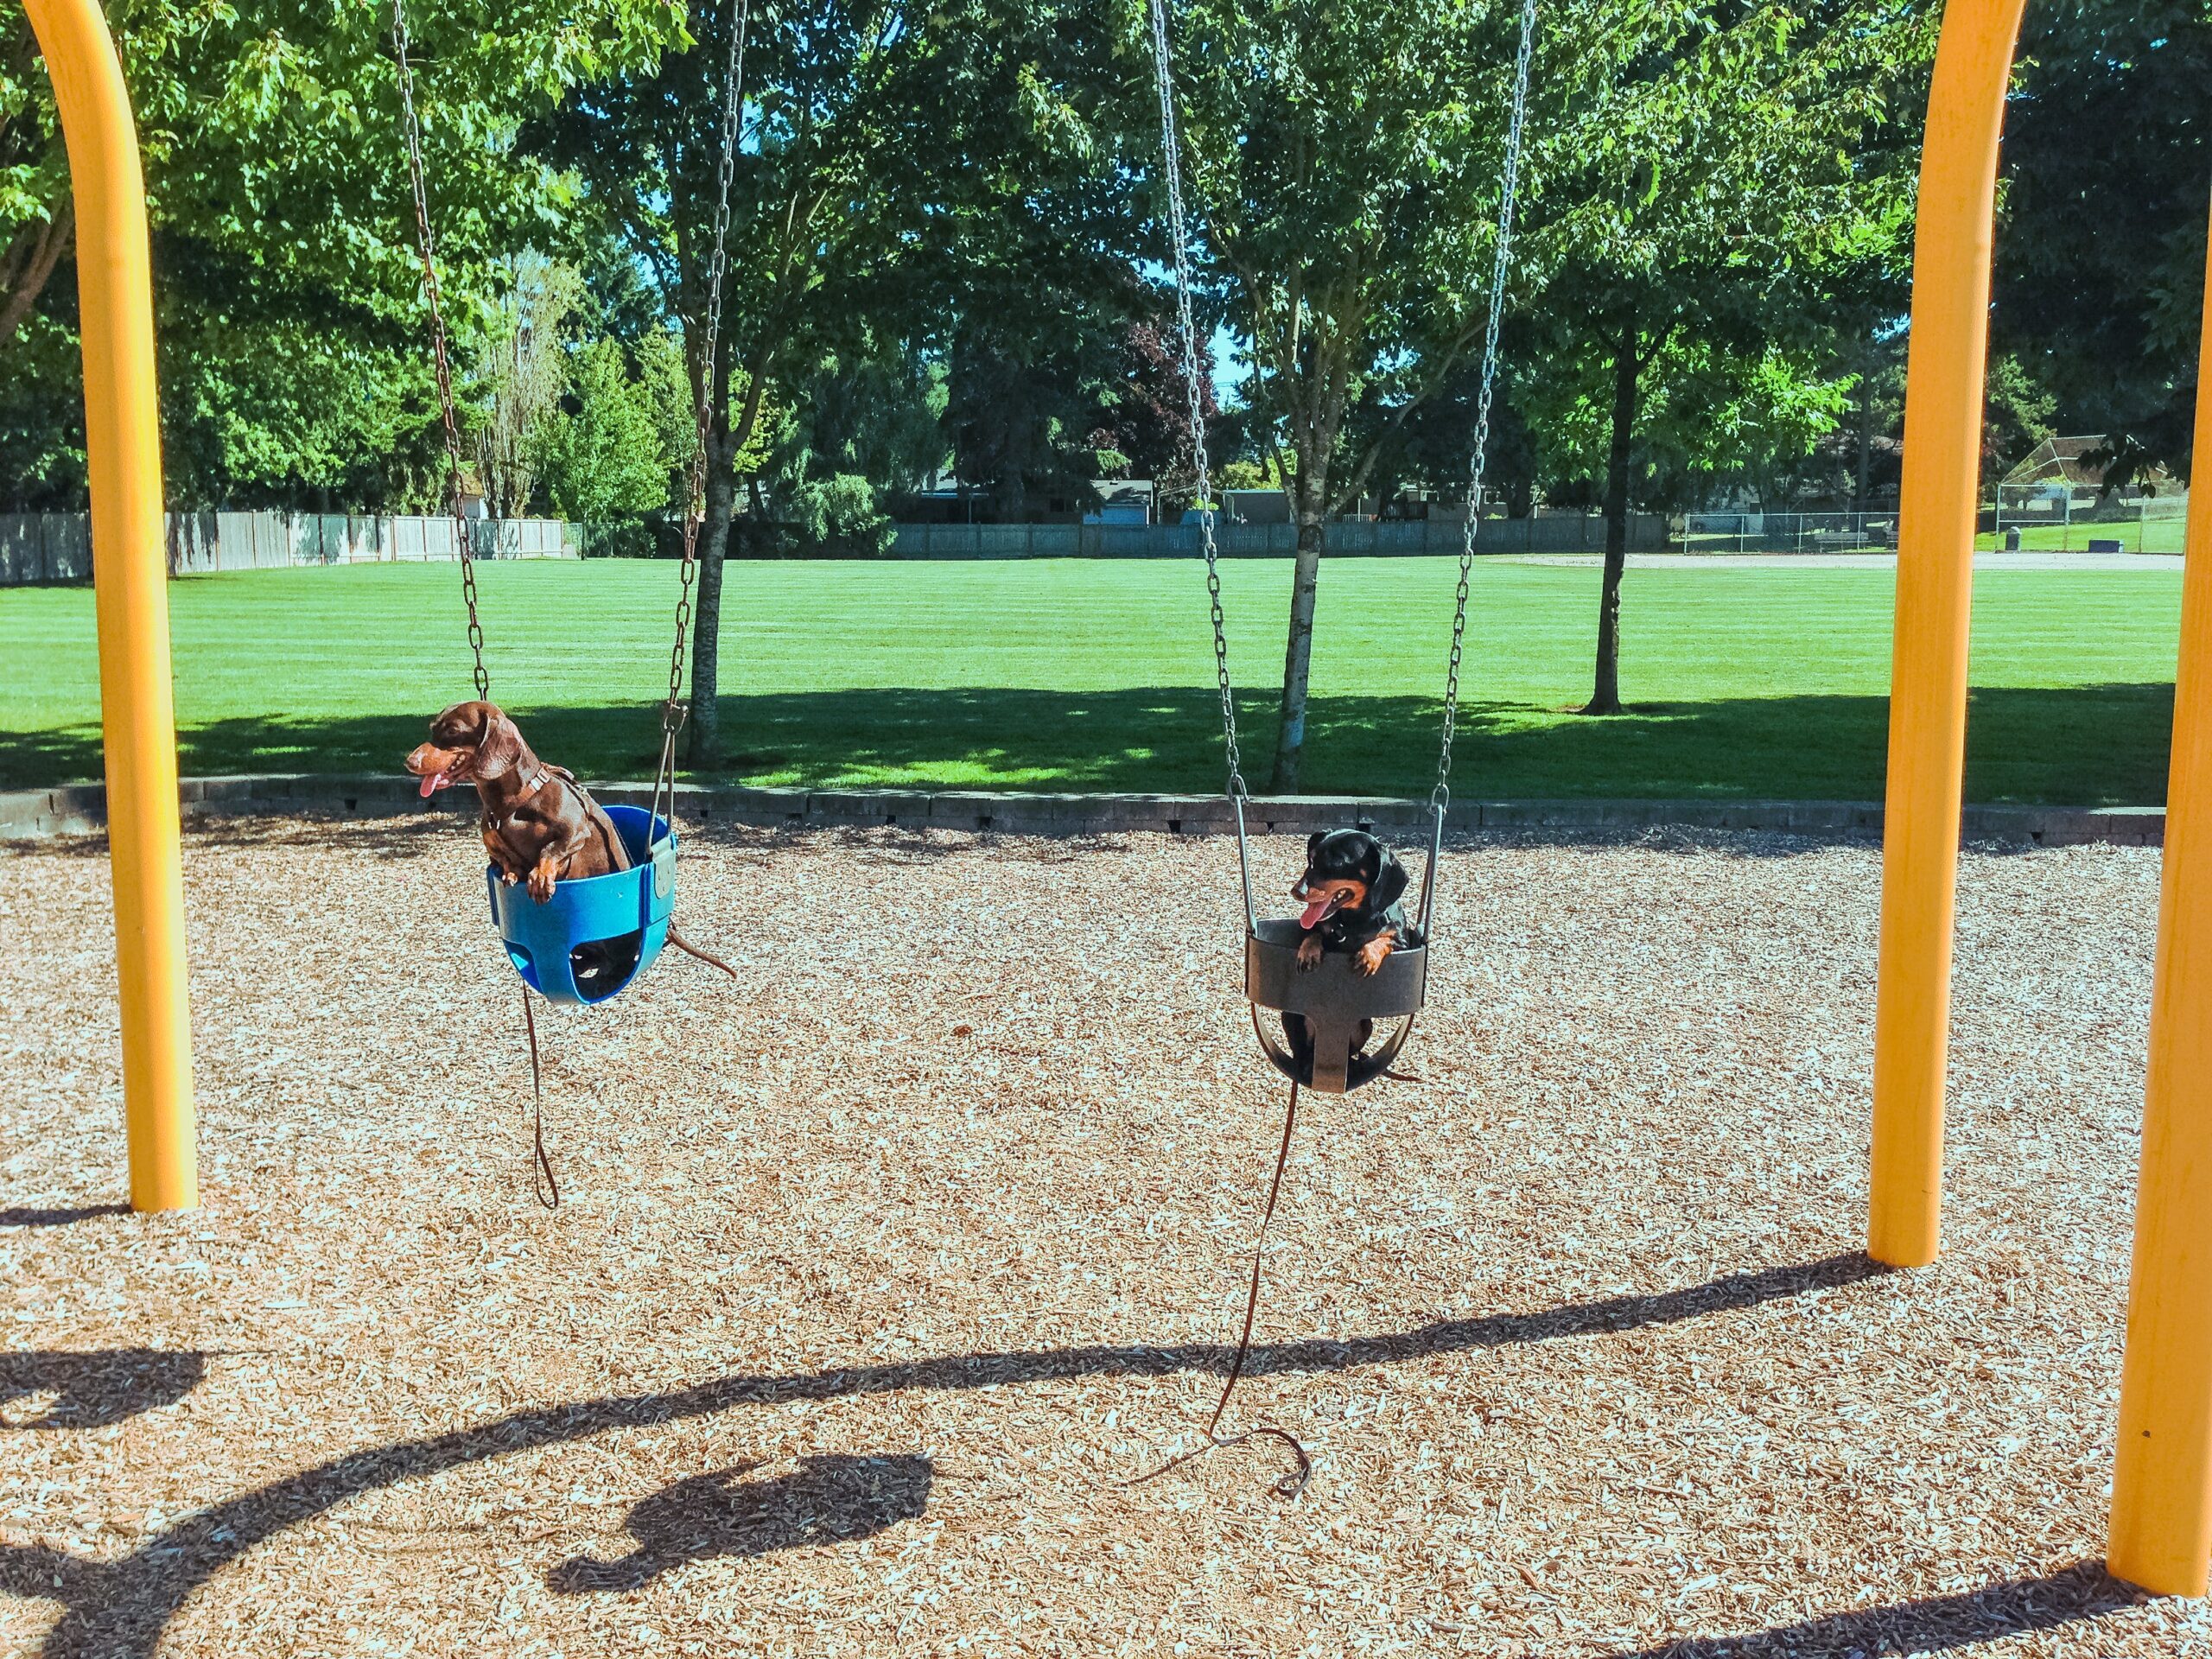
<point>1865,441</point>
<point>1606,697</point>
<point>1298,657</point>
<point>1010,489</point>
<point>49,241</point>
<point>706,749</point>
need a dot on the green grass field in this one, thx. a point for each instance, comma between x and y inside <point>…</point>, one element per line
<point>2166,535</point>
<point>1745,681</point>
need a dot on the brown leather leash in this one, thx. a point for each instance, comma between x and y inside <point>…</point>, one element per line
<point>541,1173</point>
<point>1293,1484</point>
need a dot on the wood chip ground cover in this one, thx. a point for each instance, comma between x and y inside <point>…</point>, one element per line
<point>878,1272</point>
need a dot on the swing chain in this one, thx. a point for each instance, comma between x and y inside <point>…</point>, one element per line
<point>1172,165</point>
<point>1509,192</point>
<point>676,711</point>
<point>411,128</point>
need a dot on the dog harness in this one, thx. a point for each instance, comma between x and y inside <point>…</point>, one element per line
<point>497,822</point>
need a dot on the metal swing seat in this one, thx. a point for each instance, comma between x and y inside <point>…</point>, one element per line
<point>1330,1015</point>
<point>593,937</point>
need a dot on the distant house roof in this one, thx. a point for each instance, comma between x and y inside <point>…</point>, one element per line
<point>2065,461</point>
<point>1122,489</point>
<point>1257,507</point>
<point>1122,501</point>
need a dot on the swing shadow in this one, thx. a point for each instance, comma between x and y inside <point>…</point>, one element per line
<point>95,1388</point>
<point>2075,746</point>
<point>119,1610</point>
<point>33,1216</point>
<point>830,1499</point>
<point>1933,1624</point>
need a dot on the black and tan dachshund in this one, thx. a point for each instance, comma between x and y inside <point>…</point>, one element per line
<point>1351,890</point>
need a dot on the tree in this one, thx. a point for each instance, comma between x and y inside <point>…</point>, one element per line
<point>879,138</point>
<point>523,371</point>
<point>2017,411</point>
<point>1344,164</point>
<point>863,427</point>
<point>2101,254</point>
<point>1144,422</point>
<point>1428,447</point>
<point>608,460</point>
<point>286,282</point>
<point>1716,185</point>
<point>1041,294</point>
<point>1021,408</point>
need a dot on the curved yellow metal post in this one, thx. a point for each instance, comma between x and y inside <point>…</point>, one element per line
<point>2161,1480</point>
<point>122,453</point>
<point>1944,368</point>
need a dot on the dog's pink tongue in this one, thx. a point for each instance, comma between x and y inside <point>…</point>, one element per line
<point>432,782</point>
<point>1315,911</point>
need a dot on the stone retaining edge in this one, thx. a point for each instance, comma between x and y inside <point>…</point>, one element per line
<point>35,814</point>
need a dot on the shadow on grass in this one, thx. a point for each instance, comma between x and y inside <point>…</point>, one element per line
<point>117,1609</point>
<point>1936,1625</point>
<point>2094,745</point>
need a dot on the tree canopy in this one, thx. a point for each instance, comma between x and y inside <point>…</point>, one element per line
<point>2101,252</point>
<point>948,260</point>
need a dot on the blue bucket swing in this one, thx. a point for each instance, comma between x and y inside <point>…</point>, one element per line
<point>592,937</point>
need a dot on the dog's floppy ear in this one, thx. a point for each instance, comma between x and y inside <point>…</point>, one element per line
<point>1313,846</point>
<point>1389,882</point>
<point>500,740</point>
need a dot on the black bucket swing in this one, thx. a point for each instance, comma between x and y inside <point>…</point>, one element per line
<point>1327,1016</point>
<point>595,935</point>
<point>1327,1042</point>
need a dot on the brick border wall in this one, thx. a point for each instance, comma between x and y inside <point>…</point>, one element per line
<point>35,814</point>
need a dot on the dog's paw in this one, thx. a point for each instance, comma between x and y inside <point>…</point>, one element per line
<point>1309,953</point>
<point>1369,958</point>
<point>541,884</point>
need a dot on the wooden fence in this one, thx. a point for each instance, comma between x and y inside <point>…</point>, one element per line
<point>53,547</point>
<point>1550,533</point>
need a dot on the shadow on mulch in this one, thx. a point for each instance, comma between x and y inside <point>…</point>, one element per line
<point>28,1215</point>
<point>414,835</point>
<point>118,1610</point>
<point>1933,1625</point>
<point>94,1388</point>
<point>829,1500</point>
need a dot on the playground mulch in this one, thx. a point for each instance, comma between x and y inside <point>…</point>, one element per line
<point>878,1274</point>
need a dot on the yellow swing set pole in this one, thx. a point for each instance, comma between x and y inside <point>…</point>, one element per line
<point>2161,1478</point>
<point>1939,495</point>
<point>122,453</point>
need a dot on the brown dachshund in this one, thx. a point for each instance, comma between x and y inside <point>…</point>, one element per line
<point>540,825</point>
